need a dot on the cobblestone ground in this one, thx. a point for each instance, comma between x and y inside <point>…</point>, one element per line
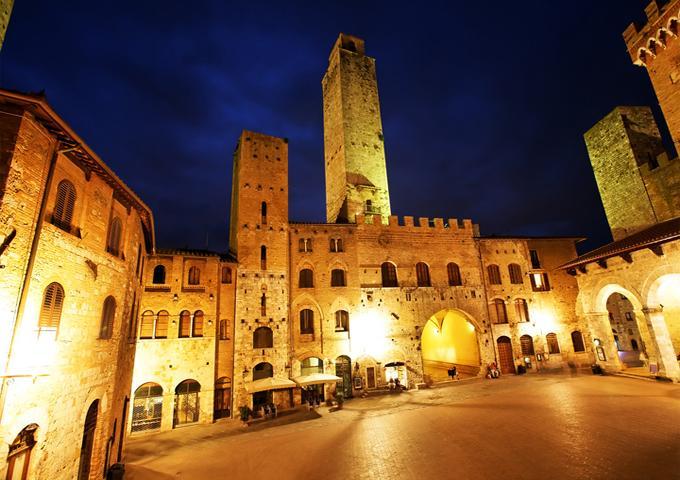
<point>531,427</point>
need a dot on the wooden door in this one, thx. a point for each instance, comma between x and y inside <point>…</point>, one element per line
<point>505,356</point>
<point>370,377</point>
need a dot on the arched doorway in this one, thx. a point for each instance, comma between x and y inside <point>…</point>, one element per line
<point>147,408</point>
<point>186,403</point>
<point>506,359</point>
<point>260,371</point>
<point>343,369</point>
<point>309,366</point>
<point>19,455</point>
<point>222,397</point>
<point>625,329</point>
<point>88,441</point>
<point>449,338</point>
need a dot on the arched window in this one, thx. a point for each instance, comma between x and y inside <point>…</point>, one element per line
<point>553,345</point>
<point>389,275</point>
<point>311,365</point>
<point>194,276</point>
<point>577,341</point>
<point>453,270</point>
<point>306,321</point>
<point>184,324</point>
<point>263,337</point>
<point>88,441</point>
<point>186,402</point>
<point>336,245</point>
<point>341,321</point>
<point>527,344</point>
<point>162,324</point>
<point>515,272</point>
<point>338,278</point>
<point>50,313</point>
<point>522,310</point>
<point>263,213</point>
<point>226,275</point>
<point>494,274</point>
<point>498,312</point>
<point>263,258</point>
<point>147,408</point>
<point>263,370</point>
<point>306,279</point>
<point>159,275</point>
<point>305,245</point>
<point>108,315</point>
<point>423,274</point>
<point>19,454</point>
<point>146,329</point>
<point>263,305</point>
<point>113,240</point>
<point>62,216</point>
<point>197,326</point>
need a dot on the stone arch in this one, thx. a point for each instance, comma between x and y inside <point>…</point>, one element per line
<point>603,291</point>
<point>337,263</point>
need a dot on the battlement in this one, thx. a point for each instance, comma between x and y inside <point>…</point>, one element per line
<point>407,222</point>
<point>644,42</point>
<point>349,43</point>
<point>661,163</point>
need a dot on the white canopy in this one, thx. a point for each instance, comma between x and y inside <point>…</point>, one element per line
<point>269,383</point>
<point>316,379</point>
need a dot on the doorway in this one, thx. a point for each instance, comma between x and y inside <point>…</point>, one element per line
<point>186,402</point>
<point>343,369</point>
<point>506,358</point>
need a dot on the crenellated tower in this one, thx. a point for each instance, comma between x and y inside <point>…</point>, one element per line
<point>354,150</point>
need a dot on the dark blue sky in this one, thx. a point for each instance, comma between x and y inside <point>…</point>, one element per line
<point>484,104</point>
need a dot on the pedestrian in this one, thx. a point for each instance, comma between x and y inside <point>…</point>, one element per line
<point>454,373</point>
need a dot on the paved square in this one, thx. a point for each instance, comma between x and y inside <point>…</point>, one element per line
<point>542,427</point>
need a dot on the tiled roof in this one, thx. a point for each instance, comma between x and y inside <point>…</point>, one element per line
<point>649,237</point>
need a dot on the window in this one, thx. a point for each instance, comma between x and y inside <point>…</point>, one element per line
<point>515,272</point>
<point>19,454</point>
<point>159,275</point>
<point>305,245</point>
<point>522,310</point>
<point>338,278</point>
<point>263,337</point>
<point>194,276</point>
<point>341,321</point>
<point>146,329</point>
<point>306,278</point>
<point>263,370</point>
<point>553,346</point>
<point>389,275</point>
<point>306,321</point>
<point>62,216</point>
<point>423,274</point>
<point>263,258</point>
<point>535,261</point>
<point>263,305</point>
<point>494,274</point>
<point>184,324</point>
<point>147,407</point>
<point>197,326</point>
<point>370,209</point>
<point>577,340</point>
<point>539,282</point>
<point>223,330</point>
<point>454,275</point>
<point>336,245</point>
<point>527,344</point>
<point>498,312</point>
<point>263,213</point>
<point>50,312</point>
<point>226,275</point>
<point>161,330</point>
<point>108,315</point>
<point>113,241</point>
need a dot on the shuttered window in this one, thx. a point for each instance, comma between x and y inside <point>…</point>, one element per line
<point>62,216</point>
<point>306,279</point>
<point>115,232</point>
<point>494,274</point>
<point>194,276</point>
<point>306,321</point>
<point>50,313</point>
<point>553,345</point>
<point>197,327</point>
<point>389,275</point>
<point>108,315</point>
<point>527,344</point>
<point>515,272</point>
<point>338,278</point>
<point>498,311</point>
<point>453,271</point>
<point>423,274</point>
<point>162,324</point>
<point>522,310</point>
<point>184,324</point>
<point>146,329</point>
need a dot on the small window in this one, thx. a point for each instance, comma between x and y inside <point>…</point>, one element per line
<point>223,330</point>
<point>341,321</point>
<point>553,346</point>
<point>539,282</point>
<point>305,245</point>
<point>162,320</point>
<point>306,279</point>
<point>370,209</point>
<point>577,340</point>
<point>159,275</point>
<point>263,305</point>
<point>338,278</point>
<point>263,258</point>
<point>454,275</point>
<point>535,261</point>
<point>527,344</point>
<point>263,337</point>
<point>515,272</point>
<point>494,274</point>
<point>522,310</point>
<point>108,315</point>
<point>389,275</point>
<point>499,313</point>
<point>263,213</point>
<point>50,312</point>
<point>336,245</point>
<point>197,325</point>
<point>226,275</point>
<point>184,324</point>
<point>194,276</point>
<point>62,216</point>
<point>306,321</point>
<point>423,274</point>
<point>115,233</point>
<point>147,326</point>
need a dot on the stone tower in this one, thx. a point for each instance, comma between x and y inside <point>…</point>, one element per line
<point>259,239</point>
<point>621,147</point>
<point>356,175</point>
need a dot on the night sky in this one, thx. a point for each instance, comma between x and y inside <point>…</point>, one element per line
<point>484,104</point>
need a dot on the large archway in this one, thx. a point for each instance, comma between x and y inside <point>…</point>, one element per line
<point>627,337</point>
<point>449,338</point>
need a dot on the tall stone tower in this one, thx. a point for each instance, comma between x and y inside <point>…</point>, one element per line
<point>621,147</point>
<point>354,150</point>
<point>259,239</point>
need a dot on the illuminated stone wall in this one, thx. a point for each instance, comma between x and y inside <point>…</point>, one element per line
<point>5,13</point>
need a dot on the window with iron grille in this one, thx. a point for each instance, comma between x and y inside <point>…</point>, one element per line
<point>108,315</point>
<point>226,275</point>
<point>341,321</point>
<point>263,337</point>
<point>50,312</point>
<point>305,245</point>
<point>306,279</point>
<point>197,324</point>
<point>499,312</point>
<point>389,274</point>
<point>453,271</point>
<point>577,340</point>
<point>194,277</point>
<point>338,278</point>
<point>494,274</point>
<point>515,272</point>
<point>147,408</point>
<point>522,310</point>
<point>336,245</point>
<point>306,321</point>
<point>423,274</point>
<point>115,233</point>
<point>184,324</point>
<point>553,345</point>
<point>159,275</point>
<point>62,215</point>
<point>527,344</point>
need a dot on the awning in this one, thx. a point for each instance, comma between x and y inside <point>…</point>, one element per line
<point>395,364</point>
<point>316,379</point>
<point>269,383</point>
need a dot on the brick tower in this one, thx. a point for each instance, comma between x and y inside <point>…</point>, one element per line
<point>356,175</point>
<point>259,239</point>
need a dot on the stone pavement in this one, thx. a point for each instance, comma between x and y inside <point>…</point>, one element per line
<point>529,427</point>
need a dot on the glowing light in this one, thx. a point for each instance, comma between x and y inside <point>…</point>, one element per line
<point>369,334</point>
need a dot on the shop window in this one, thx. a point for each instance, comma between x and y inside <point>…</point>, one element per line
<point>338,278</point>
<point>494,274</point>
<point>147,408</point>
<point>108,315</point>
<point>187,407</point>
<point>453,271</point>
<point>62,215</point>
<point>515,272</point>
<point>50,312</point>
<point>423,274</point>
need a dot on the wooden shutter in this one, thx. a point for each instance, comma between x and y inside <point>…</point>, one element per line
<point>197,328</point>
<point>108,315</point>
<point>454,274</point>
<point>389,274</point>
<point>62,216</point>
<point>50,313</point>
<point>146,330</point>
<point>162,324</point>
<point>185,324</point>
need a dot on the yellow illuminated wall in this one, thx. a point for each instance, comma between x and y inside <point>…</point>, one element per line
<point>449,337</point>
<point>669,296</point>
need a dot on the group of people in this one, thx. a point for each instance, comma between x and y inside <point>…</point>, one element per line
<point>313,397</point>
<point>453,373</point>
<point>269,410</point>
<point>492,371</point>
<point>395,385</point>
